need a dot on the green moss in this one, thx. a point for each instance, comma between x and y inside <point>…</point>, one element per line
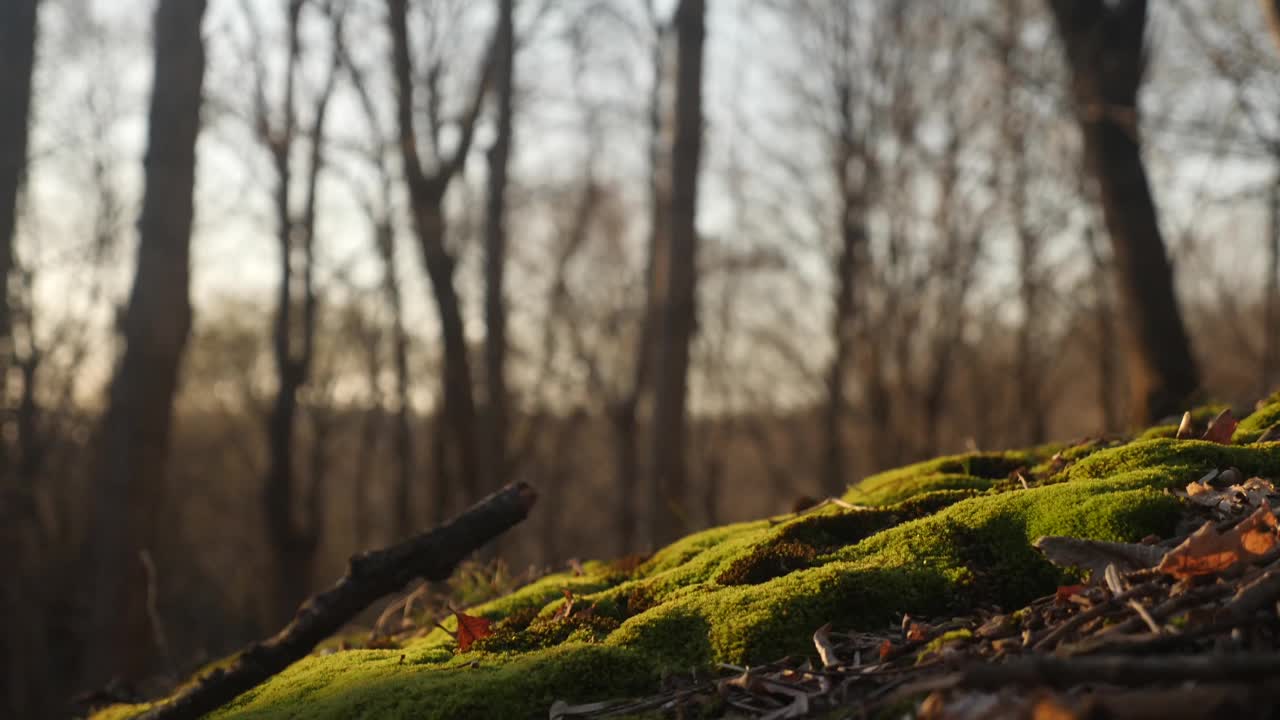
<point>1200,417</point>
<point>970,471</point>
<point>938,644</point>
<point>526,636</point>
<point>936,538</point>
<point>766,563</point>
<point>1252,427</point>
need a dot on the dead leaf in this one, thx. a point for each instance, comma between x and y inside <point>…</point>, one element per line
<point>996,627</point>
<point>470,629</point>
<point>1271,435</point>
<point>1221,428</point>
<point>886,649</point>
<point>563,611</point>
<point>1234,499</point>
<point>561,709</point>
<point>1112,576</point>
<point>1185,429</point>
<point>1049,708</point>
<point>1066,591</point>
<point>917,632</point>
<point>1096,555</point>
<point>1207,551</point>
<point>826,651</point>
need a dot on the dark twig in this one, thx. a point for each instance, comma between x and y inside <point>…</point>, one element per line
<point>371,575</point>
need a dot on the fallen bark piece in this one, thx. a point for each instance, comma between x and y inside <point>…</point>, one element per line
<point>1121,670</point>
<point>1096,555</point>
<point>371,575</point>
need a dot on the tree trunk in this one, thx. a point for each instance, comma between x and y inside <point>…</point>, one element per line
<point>426,196</point>
<point>1028,370</point>
<point>495,259</point>
<point>679,310</point>
<point>1104,49</point>
<point>626,464</point>
<point>129,488</point>
<point>17,61</point>
<point>624,415</point>
<point>295,536</point>
<point>402,434</point>
<point>1271,298</point>
<point>849,263</point>
<point>1104,322</point>
<point>370,430</point>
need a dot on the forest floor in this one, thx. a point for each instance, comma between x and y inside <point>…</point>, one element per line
<point>1116,577</point>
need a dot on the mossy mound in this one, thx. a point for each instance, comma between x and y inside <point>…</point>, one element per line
<point>929,539</point>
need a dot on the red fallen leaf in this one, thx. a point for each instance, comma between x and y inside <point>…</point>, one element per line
<point>917,632</point>
<point>1066,591</point>
<point>1222,428</point>
<point>471,629</point>
<point>886,649</point>
<point>1207,551</point>
<point>563,611</point>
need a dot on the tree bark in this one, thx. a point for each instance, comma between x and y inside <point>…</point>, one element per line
<point>402,435</point>
<point>1028,370</point>
<point>1271,11</point>
<point>17,61</point>
<point>1104,322</point>
<point>426,196</point>
<point>624,414</point>
<point>22,651</point>
<point>679,309</point>
<point>129,486</point>
<point>1104,50</point>
<point>495,259</point>
<point>1271,298</point>
<point>849,150</point>
<point>295,537</point>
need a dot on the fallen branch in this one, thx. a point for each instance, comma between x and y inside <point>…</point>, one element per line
<point>1118,670</point>
<point>371,575</point>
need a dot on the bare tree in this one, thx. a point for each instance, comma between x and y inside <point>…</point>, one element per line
<point>495,258</point>
<point>294,535</point>
<point>677,281</point>
<point>1104,323</point>
<point>1105,52</point>
<point>1014,127</point>
<point>1271,298</point>
<point>427,188</point>
<point>129,487</point>
<point>380,211</point>
<point>17,60</point>
<point>854,170</point>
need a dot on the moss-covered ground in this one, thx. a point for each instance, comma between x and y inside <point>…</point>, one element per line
<point>928,539</point>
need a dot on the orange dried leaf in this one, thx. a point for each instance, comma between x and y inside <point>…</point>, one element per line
<point>1222,428</point>
<point>918,632</point>
<point>1066,591</point>
<point>886,649</point>
<point>471,629</point>
<point>1207,551</point>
